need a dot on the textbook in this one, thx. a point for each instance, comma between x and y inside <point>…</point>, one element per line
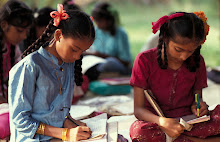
<point>190,119</point>
<point>89,61</point>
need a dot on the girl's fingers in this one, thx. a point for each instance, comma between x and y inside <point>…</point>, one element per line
<point>84,135</point>
<point>84,128</point>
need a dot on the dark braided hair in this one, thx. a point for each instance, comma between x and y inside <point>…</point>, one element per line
<point>17,14</point>
<point>187,26</point>
<point>104,11</point>
<point>78,25</point>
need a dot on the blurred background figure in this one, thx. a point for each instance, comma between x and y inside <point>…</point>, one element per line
<point>151,42</point>
<point>15,21</point>
<point>70,4</point>
<point>111,42</point>
<point>41,20</point>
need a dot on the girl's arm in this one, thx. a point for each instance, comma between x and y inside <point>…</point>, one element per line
<point>169,125</point>
<point>203,107</point>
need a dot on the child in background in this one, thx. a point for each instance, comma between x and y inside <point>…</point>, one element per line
<point>41,20</point>
<point>70,4</point>
<point>174,72</point>
<point>41,84</point>
<point>15,21</point>
<point>111,41</point>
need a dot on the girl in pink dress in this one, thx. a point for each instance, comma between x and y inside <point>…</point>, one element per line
<point>15,21</point>
<point>174,72</point>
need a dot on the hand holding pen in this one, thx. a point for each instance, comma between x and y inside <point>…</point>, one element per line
<point>76,130</point>
<point>72,123</point>
<point>199,107</point>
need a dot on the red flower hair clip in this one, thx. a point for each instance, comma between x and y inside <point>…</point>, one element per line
<point>156,25</point>
<point>58,15</point>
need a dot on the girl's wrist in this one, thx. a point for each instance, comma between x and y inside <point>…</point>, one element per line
<point>65,134</point>
<point>41,128</point>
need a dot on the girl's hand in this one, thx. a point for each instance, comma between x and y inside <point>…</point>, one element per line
<point>171,126</point>
<point>80,123</point>
<point>78,133</point>
<point>203,108</point>
<point>69,124</point>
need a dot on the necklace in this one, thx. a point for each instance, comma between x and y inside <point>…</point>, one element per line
<point>56,75</point>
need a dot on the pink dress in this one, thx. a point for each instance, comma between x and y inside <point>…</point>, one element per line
<point>173,90</point>
<point>7,63</point>
<point>4,113</point>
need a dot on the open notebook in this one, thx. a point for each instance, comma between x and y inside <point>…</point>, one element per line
<point>101,130</point>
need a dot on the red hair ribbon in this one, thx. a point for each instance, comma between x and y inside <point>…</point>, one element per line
<point>58,15</point>
<point>162,20</point>
<point>92,19</point>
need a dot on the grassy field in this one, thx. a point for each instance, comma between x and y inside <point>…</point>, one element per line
<point>136,18</point>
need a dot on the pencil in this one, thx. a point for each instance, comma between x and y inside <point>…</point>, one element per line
<point>72,120</point>
<point>197,103</point>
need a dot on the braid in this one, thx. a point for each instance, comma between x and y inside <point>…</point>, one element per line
<point>1,63</point>
<point>78,71</point>
<point>193,64</point>
<point>12,55</point>
<point>159,49</point>
<point>165,57</point>
<point>41,40</point>
<point>1,71</point>
<point>159,53</point>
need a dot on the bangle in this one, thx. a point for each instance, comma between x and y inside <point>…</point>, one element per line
<point>41,128</point>
<point>64,134</point>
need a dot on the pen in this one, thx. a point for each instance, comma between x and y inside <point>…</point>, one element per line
<point>72,120</point>
<point>197,103</point>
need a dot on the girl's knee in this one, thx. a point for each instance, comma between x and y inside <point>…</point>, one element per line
<point>141,131</point>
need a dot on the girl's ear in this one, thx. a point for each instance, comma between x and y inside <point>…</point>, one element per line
<point>4,25</point>
<point>58,34</point>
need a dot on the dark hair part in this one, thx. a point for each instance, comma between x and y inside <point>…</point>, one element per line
<point>188,26</point>
<point>78,25</point>
<point>17,14</point>
<point>104,11</point>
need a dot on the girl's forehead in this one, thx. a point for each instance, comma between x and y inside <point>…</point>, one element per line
<point>184,40</point>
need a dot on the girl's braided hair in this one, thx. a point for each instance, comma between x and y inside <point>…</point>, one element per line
<point>188,26</point>
<point>17,14</point>
<point>78,25</point>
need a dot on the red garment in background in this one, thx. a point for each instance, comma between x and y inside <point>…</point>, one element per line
<point>84,88</point>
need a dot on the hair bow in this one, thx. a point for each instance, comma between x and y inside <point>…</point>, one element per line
<point>58,15</point>
<point>92,19</point>
<point>162,20</point>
